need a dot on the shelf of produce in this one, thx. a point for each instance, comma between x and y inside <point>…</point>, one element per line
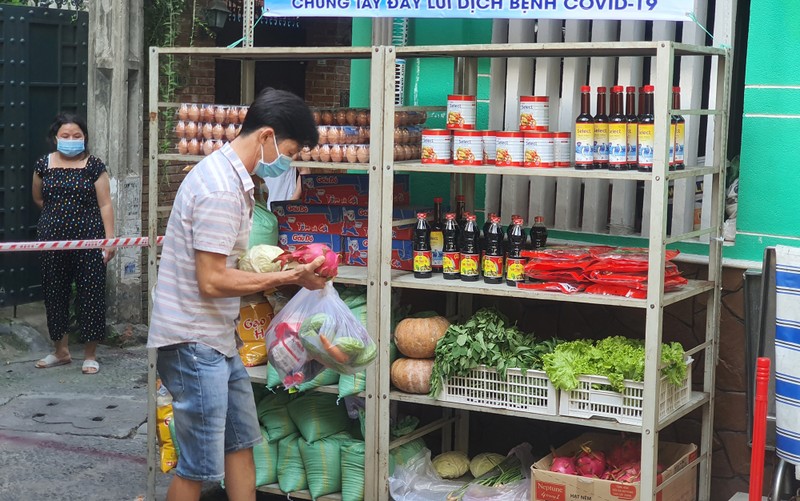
<point>696,400</point>
<point>331,165</point>
<point>633,175</point>
<point>274,489</point>
<point>406,280</point>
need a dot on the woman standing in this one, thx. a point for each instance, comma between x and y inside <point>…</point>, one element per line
<point>72,189</point>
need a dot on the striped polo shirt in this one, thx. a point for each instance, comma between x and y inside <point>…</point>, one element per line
<point>212,212</point>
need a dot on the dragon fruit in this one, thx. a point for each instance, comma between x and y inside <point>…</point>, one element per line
<point>308,253</point>
<point>627,451</point>
<point>564,464</point>
<point>590,463</point>
<point>627,473</point>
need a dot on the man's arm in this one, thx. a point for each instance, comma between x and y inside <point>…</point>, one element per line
<point>215,279</point>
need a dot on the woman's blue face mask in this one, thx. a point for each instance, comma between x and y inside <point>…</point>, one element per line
<point>70,147</point>
<point>275,168</point>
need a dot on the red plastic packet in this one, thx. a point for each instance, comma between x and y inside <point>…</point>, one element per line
<point>627,259</point>
<point>564,253</point>
<point>616,290</point>
<point>563,287</point>
<point>570,276</point>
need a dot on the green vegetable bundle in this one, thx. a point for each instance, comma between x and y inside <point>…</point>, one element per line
<point>485,339</point>
<point>617,358</point>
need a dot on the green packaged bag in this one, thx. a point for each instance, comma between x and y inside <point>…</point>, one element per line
<point>323,465</point>
<point>352,384</point>
<point>273,379</point>
<point>265,457</point>
<point>401,455</point>
<point>316,415</point>
<point>324,378</point>
<point>273,414</point>
<point>265,227</point>
<point>291,472</point>
<point>353,471</point>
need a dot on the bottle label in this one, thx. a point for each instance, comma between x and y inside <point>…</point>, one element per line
<point>633,138</point>
<point>469,265</point>
<point>493,267</point>
<point>646,145</point>
<point>680,141</point>
<point>671,155</point>
<point>617,143</point>
<point>422,261</point>
<point>451,263</point>
<point>437,248</point>
<point>600,150</point>
<point>516,270</point>
<point>584,143</point>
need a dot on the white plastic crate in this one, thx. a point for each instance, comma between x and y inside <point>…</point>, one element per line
<point>530,391</point>
<point>587,402</point>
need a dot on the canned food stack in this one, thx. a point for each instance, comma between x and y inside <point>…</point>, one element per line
<point>204,128</point>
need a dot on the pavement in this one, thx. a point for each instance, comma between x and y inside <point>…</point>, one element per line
<point>68,436</point>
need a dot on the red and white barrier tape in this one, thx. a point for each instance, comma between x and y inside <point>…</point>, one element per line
<point>78,244</point>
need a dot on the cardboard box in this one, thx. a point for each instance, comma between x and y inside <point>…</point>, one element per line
<point>357,183</point>
<point>292,240</point>
<point>355,222</point>
<point>356,251</point>
<point>551,486</point>
<point>294,216</point>
<point>346,196</point>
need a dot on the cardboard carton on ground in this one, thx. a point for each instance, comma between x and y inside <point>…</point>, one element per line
<point>552,486</point>
<point>292,240</point>
<point>346,196</point>
<point>356,250</point>
<point>355,222</point>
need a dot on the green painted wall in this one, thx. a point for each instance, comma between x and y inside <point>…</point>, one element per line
<point>769,181</point>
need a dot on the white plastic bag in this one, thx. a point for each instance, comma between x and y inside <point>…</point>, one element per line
<point>518,491</point>
<point>418,481</point>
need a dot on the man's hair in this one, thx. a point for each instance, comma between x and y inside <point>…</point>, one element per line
<point>286,113</point>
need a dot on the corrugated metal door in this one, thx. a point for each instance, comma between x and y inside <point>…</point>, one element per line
<point>43,69</point>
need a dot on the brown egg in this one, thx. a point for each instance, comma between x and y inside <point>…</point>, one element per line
<point>315,153</point>
<point>218,145</point>
<point>220,114</point>
<point>362,154</point>
<point>194,113</point>
<point>416,152</point>
<point>242,113</point>
<point>362,136</point>
<point>351,153</point>
<point>190,130</point>
<point>405,136</point>
<point>398,136</point>
<point>180,129</point>
<point>230,132</point>
<point>233,115</point>
<point>217,131</point>
<point>366,129</point>
<point>323,134</point>
<point>208,146</point>
<point>351,116</point>
<point>194,147</point>
<point>183,112</point>
<point>325,153</point>
<point>327,117</point>
<point>408,153</point>
<point>423,117</point>
<point>208,130</point>
<point>305,154</point>
<point>341,117</point>
<point>317,116</point>
<point>362,118</point>
<point>398,152</point>
<point>207,113</point>
<point>337,153</point>
<point>334,135</point>
<point>183,146</point>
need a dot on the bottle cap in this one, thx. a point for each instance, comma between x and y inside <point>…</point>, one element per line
<point>421,215</point>
<point>450,215</point>
<point>630,88</point>
<point>460,198</point>
<point>437,200</point>
<point>471,217</point>
<point>649,88</point>
<point>676,89</point>
<point>538,219</point>
<point>586,88</point>
<point>601,89</point>
<point>495,219</point>
<point>616,88</point>
<point>518,220</point>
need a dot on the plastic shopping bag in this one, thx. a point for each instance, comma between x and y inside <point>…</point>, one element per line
<point>316,330</point>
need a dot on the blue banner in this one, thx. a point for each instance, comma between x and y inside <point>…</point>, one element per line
<point>656,10</point>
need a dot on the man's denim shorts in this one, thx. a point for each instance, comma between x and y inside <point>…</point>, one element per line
<point>213,406</point>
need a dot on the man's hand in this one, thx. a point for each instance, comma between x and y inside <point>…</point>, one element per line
<point>305,276</point>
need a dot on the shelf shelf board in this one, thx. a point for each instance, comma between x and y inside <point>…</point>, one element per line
<point>568,49</point>
<point>406,280</point>
<point>275,489</point>
<point>331,165</point>
<point>696,400</point>
<point>272,53</point>
<point>547,172</point>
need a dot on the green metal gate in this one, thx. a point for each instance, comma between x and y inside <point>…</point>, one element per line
<point>43,70</point>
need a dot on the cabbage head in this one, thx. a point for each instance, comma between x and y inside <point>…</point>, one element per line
<point>259,259</point>
<point>484,462</point>
<point>451,464</point>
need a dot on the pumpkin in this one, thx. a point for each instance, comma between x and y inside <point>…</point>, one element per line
<point>416,337</point>
<point>412,375</point>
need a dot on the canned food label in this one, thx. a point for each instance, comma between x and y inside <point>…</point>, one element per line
<point>534,115</point>
<point>493,267</point>
<point>646,144</point>
<point>461,114</point>
<point>617,143</point>
<point>584,143</point>
<point>539,152</point>
<point>633,138</point>
<point>422,261</point>
<point>509,152</point>
<point>489,149</point>
<point>437,248</point>
<point>436,149</point>
<point>671,155</point>
<point>451,263</point>
<point>680,141</point>
<point>469,265</point>
<point>516,270</point>
<point>561,151</point>
<point>468,150</point>
<point>600,150</point>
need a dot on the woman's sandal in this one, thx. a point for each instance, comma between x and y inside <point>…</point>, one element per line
<point>52,361</point>
<point>90,367</point>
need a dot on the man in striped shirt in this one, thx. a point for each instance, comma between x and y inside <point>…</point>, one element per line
<point>196,302</point>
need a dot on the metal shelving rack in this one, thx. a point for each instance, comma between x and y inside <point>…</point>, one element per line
<point>380,279</point>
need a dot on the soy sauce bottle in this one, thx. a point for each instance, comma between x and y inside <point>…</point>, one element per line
<point>538,233</point>
<point>508,233</point>
<point>584,132</point>
<point>451,260</point>
<point>646,131</point>
<point>617,132</point>
<point>493,260</point>
<point>461,211</point>
<point>600,153</point>
<point>470,251</point>
<point>422,247</point>
<point>437,237</point>
<point>515,264</point>
<point>680,130</point>
<point>633,127</point>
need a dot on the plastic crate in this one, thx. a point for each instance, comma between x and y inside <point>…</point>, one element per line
<point>626,407</point>
<point>530,391</point>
